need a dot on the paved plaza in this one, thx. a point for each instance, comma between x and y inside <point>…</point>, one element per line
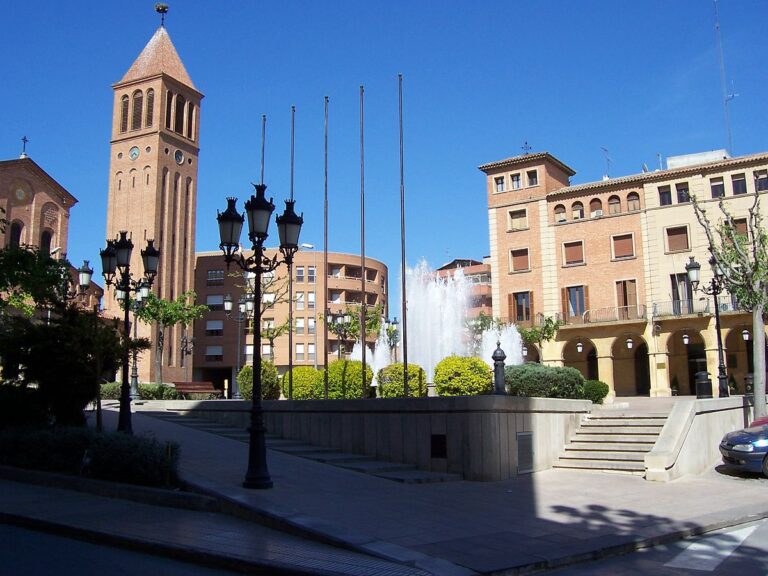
<point>325,519</point>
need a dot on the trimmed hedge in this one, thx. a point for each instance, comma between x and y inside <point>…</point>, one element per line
<point>595,390</point>
<point>112,456</point>
<point>307,383</point>
<point>270,388</point>
<point>390,381</point>
<point>462,376</point>
<point>345,379</point>
<point>537,380</point>
<point>111,391</point>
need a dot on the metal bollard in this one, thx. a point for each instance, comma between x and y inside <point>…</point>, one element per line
<point>498,370</point>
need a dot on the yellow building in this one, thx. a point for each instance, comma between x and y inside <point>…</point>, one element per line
<point>608,259</point>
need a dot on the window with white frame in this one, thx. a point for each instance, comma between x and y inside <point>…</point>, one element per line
<point>515,181</point>
<point>498,183</point>
<point>299,300</point>
<point>268,299</point>
<point>761,180</point>
<point>266,349</point>
<point>739,183</point>
<point>311,352</point>
<point>215,302</point>
<point>717,186</point>
<point>311,274</point>
<point>311,326</point>
<point>300,326</point>
<point>311,300</point>
<point>299,273</point>
<point>533,177</point>
<point>299,351</point>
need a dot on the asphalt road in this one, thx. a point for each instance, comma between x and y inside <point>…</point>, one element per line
<point>27,553</point>
<point>737,550</point>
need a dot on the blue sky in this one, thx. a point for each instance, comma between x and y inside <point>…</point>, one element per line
<point>480,79</point>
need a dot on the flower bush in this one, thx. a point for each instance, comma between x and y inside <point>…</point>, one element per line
<point>461,376</point>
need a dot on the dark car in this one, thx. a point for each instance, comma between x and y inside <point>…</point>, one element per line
<point>746,449</point>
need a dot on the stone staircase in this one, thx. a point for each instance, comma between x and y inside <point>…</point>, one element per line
<point>611,440</point>
<point>398,472</point>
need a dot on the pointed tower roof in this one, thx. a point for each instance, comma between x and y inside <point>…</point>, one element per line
<point>158,57</point>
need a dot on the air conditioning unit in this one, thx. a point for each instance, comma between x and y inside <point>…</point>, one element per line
<point>596,214</point>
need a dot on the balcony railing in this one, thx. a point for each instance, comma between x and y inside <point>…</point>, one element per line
<point>681,307</point>
<point>614,314</point>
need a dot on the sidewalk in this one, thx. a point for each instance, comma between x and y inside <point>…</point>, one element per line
<point>537,521</point>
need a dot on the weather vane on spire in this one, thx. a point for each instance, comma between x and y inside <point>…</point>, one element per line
<point>526,148</point>
<point>161,9</point>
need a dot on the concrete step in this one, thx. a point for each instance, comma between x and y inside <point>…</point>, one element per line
<point>419,476</point>
<point>302,449</point>
<point>635,467</point>
<point>621,438</point>
<point>628,430</point>
<point>337,457</point>
<point>599,455</point>
<point>611,446</point>
<point>631,422</point>
<point>376,467</point>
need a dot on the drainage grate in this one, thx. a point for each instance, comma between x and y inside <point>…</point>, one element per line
<point>524,452</point>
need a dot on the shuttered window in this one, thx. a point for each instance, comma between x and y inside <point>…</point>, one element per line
<point>518,219</point>
<point>138,110</point>
<point>124,113</point>
<point>520,260</point>
<point>573,252</point>
<point>623,246</point>
<point>677,239</point>
<point>150,108</point>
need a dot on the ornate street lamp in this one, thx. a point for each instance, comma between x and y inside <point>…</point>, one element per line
<point>259,211</point>
<point>116,259</point>
<point>714,289</point>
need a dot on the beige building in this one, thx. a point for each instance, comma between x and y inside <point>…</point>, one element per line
<point>153,180</point>
<point>314,298</point>
<point>608,259</point>
<point>478,274</point>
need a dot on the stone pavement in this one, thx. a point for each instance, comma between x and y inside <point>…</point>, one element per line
<point>537,521</point>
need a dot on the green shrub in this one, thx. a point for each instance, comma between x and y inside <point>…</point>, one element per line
<point>21,406</point>
<point>390,381</point>
<point>460,376</point>
<point>157,392</point>
<point>110,391</point>
<point>595,390</point>
<point>110,456</point>
<point>270,389</point>
<point>537,380</point>
<point>307,383</point>
<point>345,379</point>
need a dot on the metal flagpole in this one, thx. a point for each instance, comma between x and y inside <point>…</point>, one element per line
<point>325,257</point>
<point>404,303</point>
<point>362,241</point>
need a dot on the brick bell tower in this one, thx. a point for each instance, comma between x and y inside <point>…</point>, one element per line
<point>153,183</point>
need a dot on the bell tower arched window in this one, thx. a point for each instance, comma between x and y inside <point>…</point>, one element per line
<point>150,108</point>
<point>138,105</point>
<point>168,109</point>
<point>190,121</point>
<point>178,121</point>
<point>124,113</point>
<point>45,242</point>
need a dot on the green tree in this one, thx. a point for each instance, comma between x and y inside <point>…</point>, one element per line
<point>270,388</point>
<point>478,325</point>
<point>167,313</point>
<point>373,316</point>
<point>461,376</point>
<point>273,333</point>
<point>30,278</point>
<point>539,334</point>
<point>743,260</point>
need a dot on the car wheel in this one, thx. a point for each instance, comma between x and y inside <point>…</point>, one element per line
<point>765,466</point>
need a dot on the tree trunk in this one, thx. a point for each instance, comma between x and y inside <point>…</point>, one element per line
<point>758,355</point>
<point>159,355</point>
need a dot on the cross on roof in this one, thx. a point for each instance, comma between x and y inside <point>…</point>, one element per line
<point>526,148</point>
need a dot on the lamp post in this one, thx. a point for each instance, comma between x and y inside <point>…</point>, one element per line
<point>341,326</point>
<point>138,303</point>
<point>116,258</point>
<point>259,211</point>
<point>244,311</point>
<point>693,269</point>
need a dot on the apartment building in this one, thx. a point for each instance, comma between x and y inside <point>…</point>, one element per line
<point>314,298</point>
<point>608,260</point>
<point>478,275</point>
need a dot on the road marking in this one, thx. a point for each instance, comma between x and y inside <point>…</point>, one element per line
<point>707,553</point>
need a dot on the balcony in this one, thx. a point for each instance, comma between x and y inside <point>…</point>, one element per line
<point>677,308</point>
<point>615,314</point>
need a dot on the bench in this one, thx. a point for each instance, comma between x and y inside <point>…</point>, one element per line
<point>185,388</point>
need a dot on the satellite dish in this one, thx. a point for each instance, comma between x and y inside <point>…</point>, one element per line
<point>645,167</point>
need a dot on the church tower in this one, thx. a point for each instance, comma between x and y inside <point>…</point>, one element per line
<point>153,182</point>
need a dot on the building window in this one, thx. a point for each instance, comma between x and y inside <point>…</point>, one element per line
<point>665,195</point>
<point>138,110</point>
<point>311,274</point>
<point>214,278</point>
<point>519,261</point>
<point>518,219</point>
<point>269,299</point>
<point>739,184</point>
<point>190,119</point>
<point>178,120</point>
<point>577,210</point>
<point>633,201</point>
<point>267,323</point>
<point>311,352</point>
<point>677,239</point>
<point>614,205</point>
<point>45,242</point>
<point>124,113</point>
<point>595,208</point>
<point>682,193</point>
<point>521,302</point>
<point>299,300</point>
<point>299,273</point>
<point>626,298</point>
<point>299,351</point>
<point>214,302</point>
<point>300,326</point>
<point>214,327</point>
<point>623,246</point>
<point>717,186</point>
<point>761,180</point>
<point>16,228</point>
<point>150,108</point>
<point>575,304</point>
<point>499,183</point>
<point>310,326</point>
<point>533,177</point>
<point>214,353</point>
<point>560,213</point>
<point>266,350</point>
<point>310,300</point>
<point>515,180</point>
<point>168,109</point>
<point>573,253</point>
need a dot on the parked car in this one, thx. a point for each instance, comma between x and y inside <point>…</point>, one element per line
<point>747,449</point>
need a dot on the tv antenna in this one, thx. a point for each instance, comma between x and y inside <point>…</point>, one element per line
<point>607,162</point>
<point>727,96</point>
